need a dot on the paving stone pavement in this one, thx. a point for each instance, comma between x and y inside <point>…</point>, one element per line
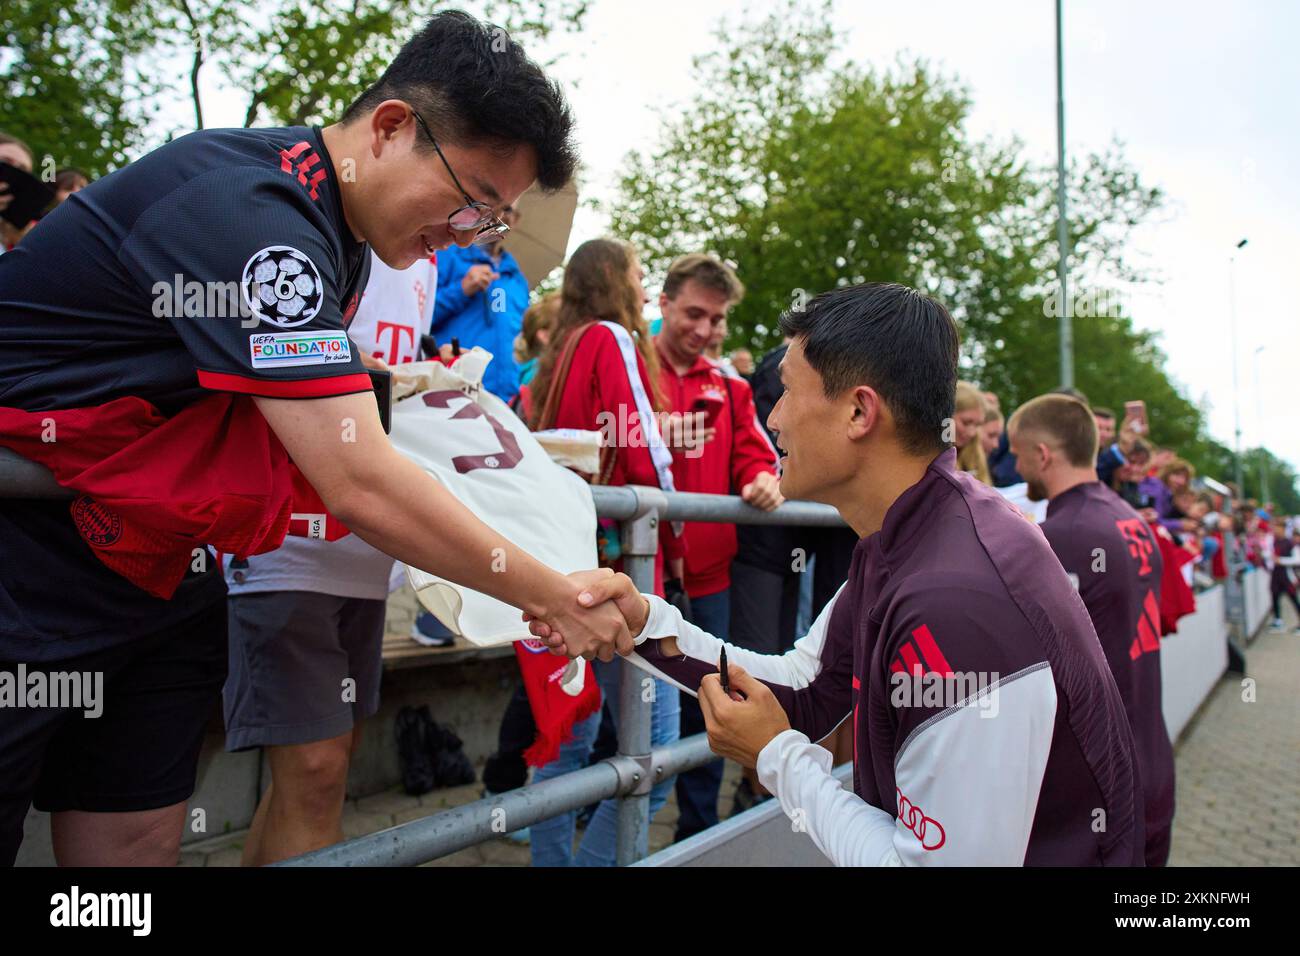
<point>1238,782</point>
<point>1237,801</point>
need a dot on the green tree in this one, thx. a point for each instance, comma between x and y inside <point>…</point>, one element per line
<point>69,85</point>
<point>83,82</point>
<point>307,61</point>
<point>808,173</point>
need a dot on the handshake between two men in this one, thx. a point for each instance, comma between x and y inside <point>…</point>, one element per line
<point>740,723</point>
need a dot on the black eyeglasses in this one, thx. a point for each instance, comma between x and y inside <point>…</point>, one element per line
<point>474,215</point>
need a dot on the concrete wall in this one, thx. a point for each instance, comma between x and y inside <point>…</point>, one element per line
<point>1254,585</point>
<point>1192,660</point>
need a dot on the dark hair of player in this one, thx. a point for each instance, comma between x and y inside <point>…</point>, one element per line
<point>900,342</point>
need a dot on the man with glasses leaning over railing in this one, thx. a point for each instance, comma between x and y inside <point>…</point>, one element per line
<point>988,729</point>
<point>457,128</point>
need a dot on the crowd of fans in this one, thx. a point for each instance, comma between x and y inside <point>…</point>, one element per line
<point>388,236</point>
<point>1217,533</point>
<point>742,583</point>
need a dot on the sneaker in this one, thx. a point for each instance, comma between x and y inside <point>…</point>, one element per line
<point>1276,625</point>
<point>431,632</point>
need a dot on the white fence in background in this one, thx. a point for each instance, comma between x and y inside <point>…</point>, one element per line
<point>1193,659</point>
<point>1254,586</point>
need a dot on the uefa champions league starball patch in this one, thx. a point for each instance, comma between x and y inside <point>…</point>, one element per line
<point>282,286</point>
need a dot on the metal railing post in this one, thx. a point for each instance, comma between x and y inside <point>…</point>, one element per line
<point>639,542</point>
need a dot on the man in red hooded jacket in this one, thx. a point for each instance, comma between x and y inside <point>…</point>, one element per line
<point>737,458</point>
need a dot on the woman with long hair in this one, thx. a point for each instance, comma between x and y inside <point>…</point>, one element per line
<point>969,415</point>
<point>602,283</point>
<point>539,318</point>
<point>599,371</point>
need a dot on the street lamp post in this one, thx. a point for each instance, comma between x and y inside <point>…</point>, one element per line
<point>1062,228</point>
<point>1259,415</point>
<point>1236,393</point>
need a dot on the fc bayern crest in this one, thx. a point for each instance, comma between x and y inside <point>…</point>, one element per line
<point>281,286</point>
<point>100,526</point>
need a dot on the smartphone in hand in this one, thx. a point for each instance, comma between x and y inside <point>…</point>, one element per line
<point>1135,414</point>
<point>711,406</point>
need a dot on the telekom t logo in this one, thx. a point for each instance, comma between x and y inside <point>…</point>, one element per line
<point>1136,536</point>
<point>395,339</point>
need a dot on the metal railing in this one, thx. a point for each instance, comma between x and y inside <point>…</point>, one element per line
<point>629,775</point>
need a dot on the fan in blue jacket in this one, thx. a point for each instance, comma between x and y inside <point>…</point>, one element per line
<point>482,295</point>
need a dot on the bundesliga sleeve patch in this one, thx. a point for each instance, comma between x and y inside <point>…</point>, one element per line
<point>278,349</point>
<point>282,287</point>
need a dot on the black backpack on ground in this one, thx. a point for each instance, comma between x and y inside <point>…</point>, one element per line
<point>430,755</point>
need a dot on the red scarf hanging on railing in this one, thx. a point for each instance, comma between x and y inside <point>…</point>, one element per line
<point>554,711</point>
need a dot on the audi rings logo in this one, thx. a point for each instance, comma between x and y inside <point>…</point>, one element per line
<point>928,830</point>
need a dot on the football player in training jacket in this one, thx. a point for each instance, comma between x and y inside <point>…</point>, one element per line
<point>987,727</point>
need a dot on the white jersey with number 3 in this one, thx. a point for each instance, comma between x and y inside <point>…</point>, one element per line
<point>470,441</point>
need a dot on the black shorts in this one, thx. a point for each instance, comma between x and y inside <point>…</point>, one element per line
<point>132,739</point>
<point>291,653</point>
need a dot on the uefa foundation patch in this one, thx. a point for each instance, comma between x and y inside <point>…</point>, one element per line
<point>277,349</point>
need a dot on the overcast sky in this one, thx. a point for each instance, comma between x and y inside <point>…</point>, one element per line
<point>1202,95</point>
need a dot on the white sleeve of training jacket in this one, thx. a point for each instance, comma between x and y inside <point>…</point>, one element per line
<point>796,669</point>
<point>813,681</point>
<point>850,831</point>
<point>967,784</point>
